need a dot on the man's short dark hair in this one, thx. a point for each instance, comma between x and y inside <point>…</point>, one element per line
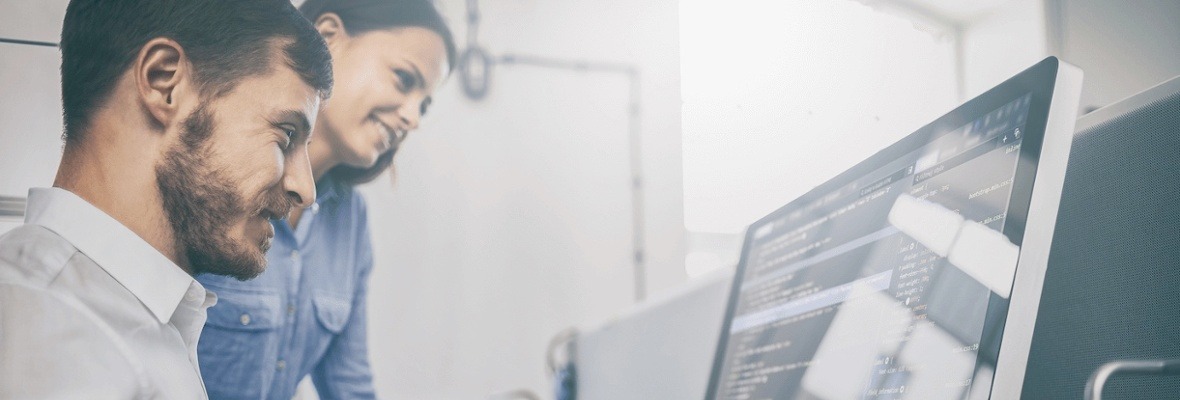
<point>225,40</point>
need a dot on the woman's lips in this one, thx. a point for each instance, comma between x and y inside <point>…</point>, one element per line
<point>389,136</point>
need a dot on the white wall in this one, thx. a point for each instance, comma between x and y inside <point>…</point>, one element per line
<point>30,95</point>
<point>510,218</point>
<point>1001,42</point>
<point>1123,46</point>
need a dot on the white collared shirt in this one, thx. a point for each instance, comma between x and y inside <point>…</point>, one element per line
<point>88,309</point>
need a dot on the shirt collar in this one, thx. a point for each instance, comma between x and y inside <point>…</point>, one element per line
<point>328,189</point>
<point>151,277</point>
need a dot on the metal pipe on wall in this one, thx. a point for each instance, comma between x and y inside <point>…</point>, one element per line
<point>475,70</point>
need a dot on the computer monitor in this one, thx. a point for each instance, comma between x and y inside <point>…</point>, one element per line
<point>895,279</point>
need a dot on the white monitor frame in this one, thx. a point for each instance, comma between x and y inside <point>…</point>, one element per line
<point>1038,234</point>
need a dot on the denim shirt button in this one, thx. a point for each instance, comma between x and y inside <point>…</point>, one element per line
<point>245,319</point>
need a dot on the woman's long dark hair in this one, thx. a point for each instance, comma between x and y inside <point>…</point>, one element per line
<point>360,16</point>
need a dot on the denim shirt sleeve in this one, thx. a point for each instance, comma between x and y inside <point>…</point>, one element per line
<point>344,372</point>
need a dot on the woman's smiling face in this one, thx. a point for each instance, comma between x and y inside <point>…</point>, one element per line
<point>384,80</point>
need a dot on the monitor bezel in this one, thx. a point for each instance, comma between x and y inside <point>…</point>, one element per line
<point>1055,89</point>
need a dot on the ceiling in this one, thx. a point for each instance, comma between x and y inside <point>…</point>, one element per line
<point>956,12</point>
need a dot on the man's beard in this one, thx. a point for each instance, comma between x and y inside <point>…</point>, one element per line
<point>202,206</point>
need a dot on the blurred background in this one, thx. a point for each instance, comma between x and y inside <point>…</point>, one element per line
<point>512,215</point>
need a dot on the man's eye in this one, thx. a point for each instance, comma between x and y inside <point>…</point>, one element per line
<point>290,135</point>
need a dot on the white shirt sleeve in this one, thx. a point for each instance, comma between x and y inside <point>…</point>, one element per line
<point>51,348</point>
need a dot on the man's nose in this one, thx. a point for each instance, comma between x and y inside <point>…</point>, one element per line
<point>298,180</point>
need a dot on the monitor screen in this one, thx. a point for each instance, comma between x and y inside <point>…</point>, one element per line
<point>893,280</point>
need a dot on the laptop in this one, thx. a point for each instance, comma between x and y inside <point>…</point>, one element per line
<point>916,273</point>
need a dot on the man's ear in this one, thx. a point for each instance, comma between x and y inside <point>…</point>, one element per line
<point>161,71</point>
<point>331,28</point>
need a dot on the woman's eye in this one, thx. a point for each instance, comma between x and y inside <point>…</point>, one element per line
<point>406,80</point>
<point>425,106</point>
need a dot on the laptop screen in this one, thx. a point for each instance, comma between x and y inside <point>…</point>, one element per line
<point>893,280</point>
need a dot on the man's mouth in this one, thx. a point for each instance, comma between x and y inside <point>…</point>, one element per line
<point>267,215</point>
<point>273,214</point>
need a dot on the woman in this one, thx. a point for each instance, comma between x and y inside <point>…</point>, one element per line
<point>306,313</point>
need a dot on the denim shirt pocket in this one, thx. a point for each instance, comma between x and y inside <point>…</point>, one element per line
<point>258,312</point>
<point>332,311</point>
<point>239,344</point>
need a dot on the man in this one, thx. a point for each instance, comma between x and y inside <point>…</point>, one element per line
<point>186,124</point>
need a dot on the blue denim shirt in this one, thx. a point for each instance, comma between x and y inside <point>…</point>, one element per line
<point>304,315</point>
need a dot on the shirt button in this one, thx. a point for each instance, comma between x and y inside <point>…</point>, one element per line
<point>281,365</point>
<point>315,208</point>
<point>245,319</point>
<point>294,255</point>
<point>291,309</point>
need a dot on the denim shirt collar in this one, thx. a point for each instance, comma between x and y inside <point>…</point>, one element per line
<point>329,192</point>
<point>329,189</point>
